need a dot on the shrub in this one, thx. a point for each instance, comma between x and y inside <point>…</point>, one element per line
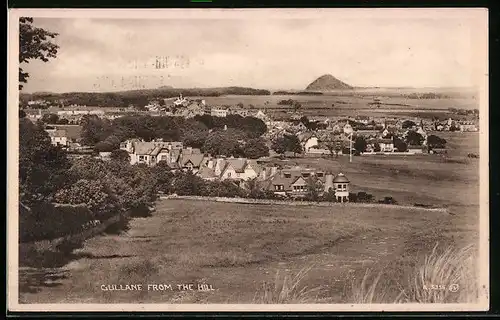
<point>388,200</point>
<point>364,197</point>
<point>353,197</point>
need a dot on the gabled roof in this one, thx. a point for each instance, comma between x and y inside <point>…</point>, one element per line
<point>73,132</point>
<point>305,136</point>
<point>57,133</point>
<point>237,164</point>
<point>195,159</point>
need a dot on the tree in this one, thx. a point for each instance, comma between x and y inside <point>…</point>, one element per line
<point>414,138</point>
<point>255,148</point>
<point>400,145</point>
<point>42,166</point>
<point>34,44</point>
<point>95,194</point>
<point>194,139</point>
<point>50,118</point>
<point>287,143</point>
<point>434,141</point>
<point>376,147</point>
<point>222,143</point>
<point>313,189</point>
<point>408,124</point>
<point>22,114</point>
<point>120,155</point>
<point>360,144</point>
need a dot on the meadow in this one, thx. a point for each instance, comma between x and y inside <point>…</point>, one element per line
<point>356,103</point>
<point>285,254</point>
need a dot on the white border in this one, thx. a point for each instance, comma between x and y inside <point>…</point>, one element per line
<point>481,61</point>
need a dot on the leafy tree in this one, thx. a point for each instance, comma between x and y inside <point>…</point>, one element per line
<point>313,189</point>
<point>400,145</point>
<point>120,155</point>
<point>255,148</point>
<point>22,114</point>
<point>287,143</point>
<point>414,138</point>
<point>360,144</point>
<point>50,118</point>
<point>407,124</point>
<point>222,143</point>
<point>434,141</point>
<point>95,129</point>
<point>376,147</point>
<point>42,166</point>
<point>194,139</point>
<point>34,44</point>
<point>95,194</point>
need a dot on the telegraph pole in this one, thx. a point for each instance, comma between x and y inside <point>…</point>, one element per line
<point>350,147</point>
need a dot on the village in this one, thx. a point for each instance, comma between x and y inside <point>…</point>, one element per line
<point>317,137</point>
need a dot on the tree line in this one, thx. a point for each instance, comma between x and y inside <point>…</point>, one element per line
<point>233,135</point>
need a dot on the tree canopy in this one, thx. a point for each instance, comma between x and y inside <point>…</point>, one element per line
<point>34,44</point>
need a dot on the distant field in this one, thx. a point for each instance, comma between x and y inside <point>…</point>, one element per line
<point>236,248</point>
<point>347,105</point>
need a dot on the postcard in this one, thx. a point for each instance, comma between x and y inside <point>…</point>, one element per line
<point>248,160</point>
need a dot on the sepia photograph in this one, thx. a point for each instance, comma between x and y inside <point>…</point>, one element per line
<point>248,160</point>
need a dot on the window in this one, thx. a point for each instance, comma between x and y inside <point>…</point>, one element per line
<point>288,175</point>
<point>141,158</point>
<point>306,174</point>
<point>320,174</point>
<point>339,186</point>
<point>229,174</point>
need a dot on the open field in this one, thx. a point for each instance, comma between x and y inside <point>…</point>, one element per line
<point>349,105</point>
<point>237,248</point>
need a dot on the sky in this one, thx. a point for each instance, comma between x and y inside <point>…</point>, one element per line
<point>279,51</point>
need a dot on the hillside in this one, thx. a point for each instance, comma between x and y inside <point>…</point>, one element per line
<point>328,82</point>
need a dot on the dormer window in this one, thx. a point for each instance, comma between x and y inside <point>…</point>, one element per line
<point>306,174</point>
<point>319,174</point>
<point>287,175</point>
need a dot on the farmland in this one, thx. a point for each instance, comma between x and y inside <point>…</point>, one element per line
<point>349,105</point>
<point>236,248</point>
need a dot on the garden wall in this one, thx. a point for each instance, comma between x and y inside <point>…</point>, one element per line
<point>297,203</point>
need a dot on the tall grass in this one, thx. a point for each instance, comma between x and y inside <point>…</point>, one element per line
<point>287,290</point>
<point>445,276</point>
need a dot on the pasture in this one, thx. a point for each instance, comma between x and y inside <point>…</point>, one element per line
<point>247,253</point>
<point>356,103</point>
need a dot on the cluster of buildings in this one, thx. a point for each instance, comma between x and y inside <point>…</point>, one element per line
<point>289,182</point>
<point>66,136</point>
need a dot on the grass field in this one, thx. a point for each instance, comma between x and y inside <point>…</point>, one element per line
<point>260,253</point>
<point>349,105</point>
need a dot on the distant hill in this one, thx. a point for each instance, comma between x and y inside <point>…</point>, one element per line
<point>328,82</point>
<point>165,87</point>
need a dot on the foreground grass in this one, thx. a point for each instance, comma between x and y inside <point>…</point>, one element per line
<point>445,276</point>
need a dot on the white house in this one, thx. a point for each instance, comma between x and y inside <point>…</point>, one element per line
<point>341,187</point>
<point>219,112</point>
<point>386,145</point>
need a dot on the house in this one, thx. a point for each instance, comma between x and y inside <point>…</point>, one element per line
<point>467,126</point>
<point>219,112</point>
<point>73,133</point>
<point>294,181</point>
<point>151,153</point>
<point>307,140</point>
<point>341,187</point>
<point>239,169</point>
<point>438,151</point>
<point>58,137</point>
<point>262,116</point>
<point>180,101</point>
<point>386,145</point>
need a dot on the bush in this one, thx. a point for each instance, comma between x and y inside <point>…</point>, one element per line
<point>364,197</point>
<point>47,221</point>
<point>388,200</point>
<point>353,197</point>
